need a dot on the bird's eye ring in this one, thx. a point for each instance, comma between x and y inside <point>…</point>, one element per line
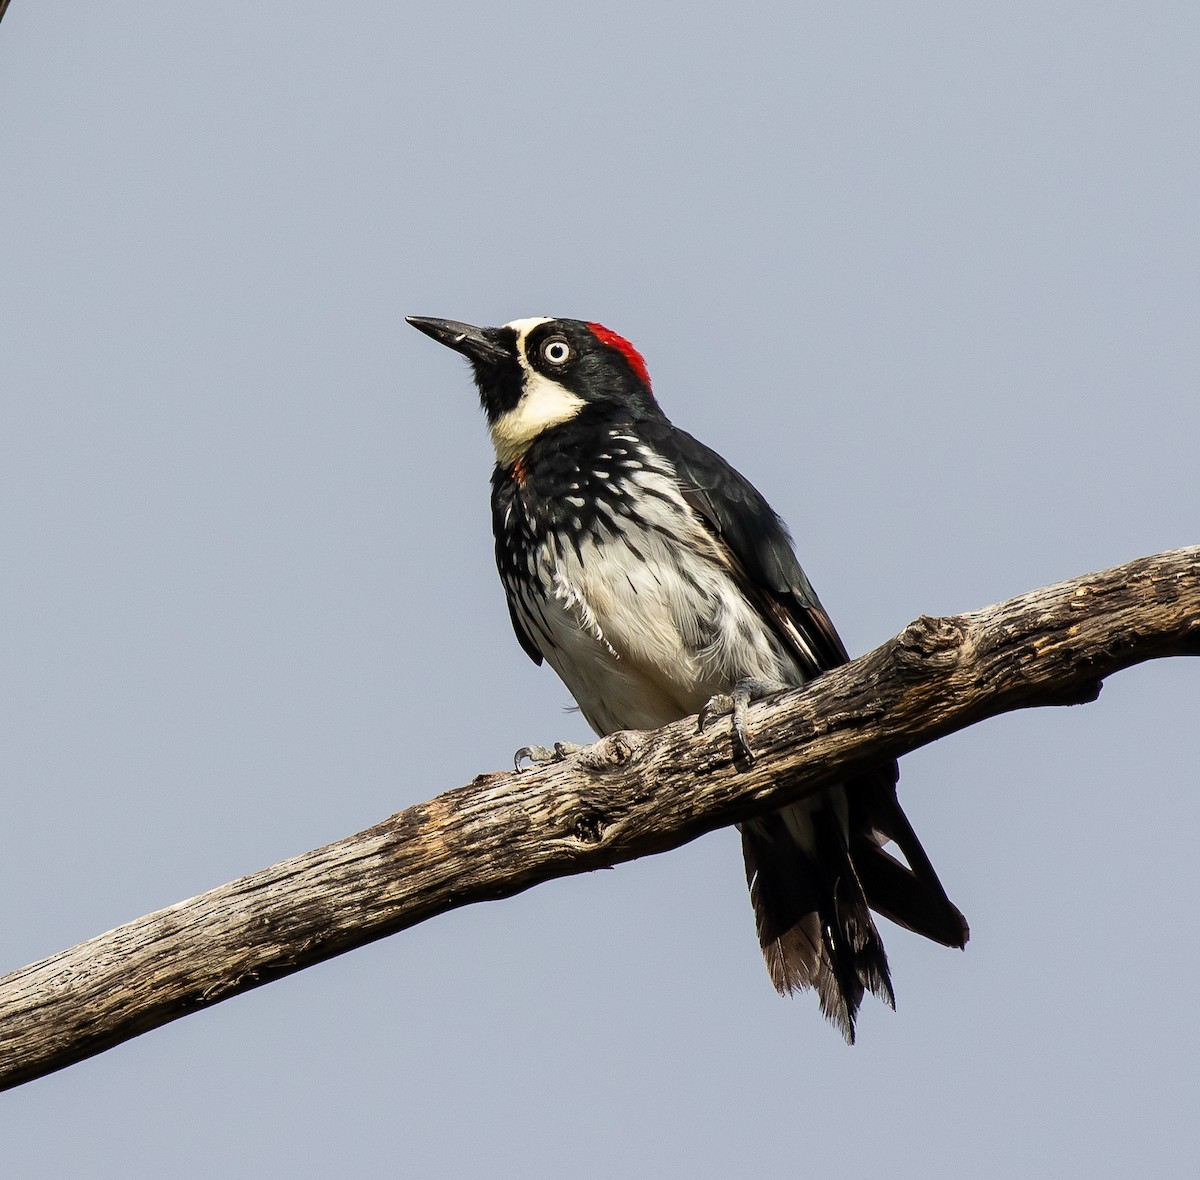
<point>556,351</point>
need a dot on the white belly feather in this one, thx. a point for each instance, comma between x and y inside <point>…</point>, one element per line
<point>643,641</point>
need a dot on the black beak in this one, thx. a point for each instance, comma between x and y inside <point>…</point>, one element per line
<point>477,344</point>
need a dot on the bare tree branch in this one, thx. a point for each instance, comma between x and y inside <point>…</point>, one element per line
<point>631,795</point>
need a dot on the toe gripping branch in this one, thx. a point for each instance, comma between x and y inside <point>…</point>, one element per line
<point>538,756</point>
<point>738,703</point>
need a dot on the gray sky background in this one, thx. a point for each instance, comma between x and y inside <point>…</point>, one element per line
<point>928,273</point>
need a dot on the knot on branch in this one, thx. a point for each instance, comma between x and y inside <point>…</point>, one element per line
<point>617,749</point>
<point>930,642</point>
<point>589,827</point>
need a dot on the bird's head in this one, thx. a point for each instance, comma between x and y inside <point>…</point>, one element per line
<point>536,374</point>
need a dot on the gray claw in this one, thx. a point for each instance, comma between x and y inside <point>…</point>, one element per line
<point>738,703</point>
<point>545,755</point>
<point>715,706</point>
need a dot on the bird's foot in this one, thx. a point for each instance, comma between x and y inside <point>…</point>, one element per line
<point>737,703</point>
<point>545,755</point>
<point>616,749</point>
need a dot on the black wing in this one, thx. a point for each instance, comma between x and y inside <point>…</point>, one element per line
<point>523,638</point>
<point>759,543</point>
<point>503,503</point>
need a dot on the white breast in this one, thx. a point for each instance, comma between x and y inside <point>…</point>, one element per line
<point>644,640</point>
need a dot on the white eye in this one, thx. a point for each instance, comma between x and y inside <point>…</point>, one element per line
<point>556,350</point>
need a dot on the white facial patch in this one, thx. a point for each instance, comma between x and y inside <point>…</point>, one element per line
<point>544,403</point>
<point>524,327</point>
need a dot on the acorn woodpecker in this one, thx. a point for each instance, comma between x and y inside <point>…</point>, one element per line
<point>658,583</point>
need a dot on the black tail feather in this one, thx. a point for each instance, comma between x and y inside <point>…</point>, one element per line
<point>910,896</point>
<point>813,891</point>
<point>814,926</point>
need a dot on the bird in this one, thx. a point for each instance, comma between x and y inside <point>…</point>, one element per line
<point>658,583</point>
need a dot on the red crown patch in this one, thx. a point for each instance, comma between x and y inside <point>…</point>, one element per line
<point>636,362</point>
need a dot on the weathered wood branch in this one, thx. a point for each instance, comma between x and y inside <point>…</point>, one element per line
<point>632,795</point>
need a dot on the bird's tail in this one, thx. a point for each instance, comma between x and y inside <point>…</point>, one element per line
<point>814,925</point>
<point>910,893</point>
<point>817,869</point>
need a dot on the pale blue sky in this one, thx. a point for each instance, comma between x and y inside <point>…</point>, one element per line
<point>927,273</point>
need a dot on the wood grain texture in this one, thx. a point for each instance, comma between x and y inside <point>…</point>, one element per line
<point>629,796</point>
